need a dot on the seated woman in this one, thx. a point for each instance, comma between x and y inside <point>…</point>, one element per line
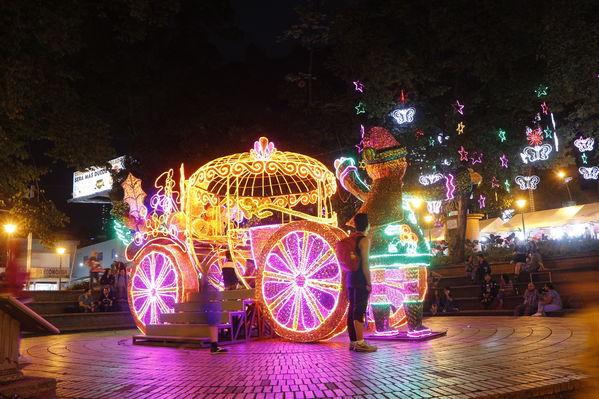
<point>551,302</point>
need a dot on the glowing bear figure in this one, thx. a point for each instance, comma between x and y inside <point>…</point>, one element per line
<point>399,252</point>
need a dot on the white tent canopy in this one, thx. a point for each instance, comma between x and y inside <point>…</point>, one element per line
<point>544,219</point>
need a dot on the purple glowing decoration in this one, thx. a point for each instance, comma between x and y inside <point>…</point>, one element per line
<point>359,86</point>
<point>449,187</point>
<point>477,157</point>
<point>459,108</point>
<point>215,274</point>
<point>425,332</point>
<point>154,288</point>
<point>463,154</point>
<point>504,161</point>
<point>544,108</point>
<point>301,281</point>
<point>481,201</point>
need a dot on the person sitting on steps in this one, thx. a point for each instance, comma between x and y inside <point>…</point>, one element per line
<point>551,301</point>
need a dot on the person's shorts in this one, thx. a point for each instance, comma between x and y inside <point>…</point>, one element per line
<point>358,301</point>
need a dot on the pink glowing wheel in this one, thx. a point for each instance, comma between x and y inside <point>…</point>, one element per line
<point>300,284</point>
<point>161,276</point>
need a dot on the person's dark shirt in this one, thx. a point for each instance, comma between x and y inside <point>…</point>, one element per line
<point>490,288</point>
<point>484,267</point>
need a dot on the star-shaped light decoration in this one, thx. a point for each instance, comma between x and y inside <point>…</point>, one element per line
<point>418,133</point>
<point>544,108</point>
<point>362,165</point>
<point>459,108</point>
<point>585,158</point>
<point>481,201</point>
<point>535,137</point>
<point>463,154</point>
<point>494,183</point>
<point>507,185</point>
<point>460,128</point>
<point>477,157</point>
<point>501,134</point>
<point>548,133</point>
<point>431,141</point>
<point>360,108</point>
<point>359,86</point>
<point>504,161</point>
<point>541,90</point>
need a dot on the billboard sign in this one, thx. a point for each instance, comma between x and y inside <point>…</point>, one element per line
<point>95,181</point>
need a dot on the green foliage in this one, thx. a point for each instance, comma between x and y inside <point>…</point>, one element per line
<point>39,217</point>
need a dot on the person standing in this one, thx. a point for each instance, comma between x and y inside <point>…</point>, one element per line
<point>230,279</point>
<point>95,268</point>
<point>120,285</point>
<point>531,298</point>
<point>506,287</point>
<point>359,287</point>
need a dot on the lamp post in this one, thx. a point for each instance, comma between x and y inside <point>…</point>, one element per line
<point>429,219</point>
<point>521,204</point>
<point>60,251</point>
<point>566,180</point>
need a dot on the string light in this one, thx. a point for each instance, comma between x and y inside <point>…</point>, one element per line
<point>360,108</point>
<point>504,161</point>
<point>584,144</point>
<point>494,183</point>
<point>544,108</point>
<point>434,206</point>
<point>527,182</point>
<point>534,137</point>
<point>359,86</point>
<point>463,154</point>
<point>548,133</point>
<point>541,91</point>
<point>585,159</point>
<point>459,108</point>
<point>460,128</point>
<point>481,201</point>
<point>589,173</point>
<point>507,185</point>
<point>476,159</point>
<point>449,187</point>
<point>502,135</point>
<point>429,179</point>
<point>537,153</point>
<point>403,115</point>
<point>555,133</point>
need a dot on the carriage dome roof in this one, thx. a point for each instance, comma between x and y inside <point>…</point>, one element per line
<point>265,171</point>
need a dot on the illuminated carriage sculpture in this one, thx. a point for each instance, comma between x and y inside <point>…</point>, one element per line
<point>271,210</point>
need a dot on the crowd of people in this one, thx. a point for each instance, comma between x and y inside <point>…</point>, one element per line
<point>493,292</point>
<point>111,287</point>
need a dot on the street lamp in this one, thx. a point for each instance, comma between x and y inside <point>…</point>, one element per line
<point>566,180</point>
<point>521,204</point>
<point>429,219</point>
<point>9,229</point>
<point>60,251</point>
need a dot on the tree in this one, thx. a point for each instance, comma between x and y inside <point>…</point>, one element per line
<point>488,56</point>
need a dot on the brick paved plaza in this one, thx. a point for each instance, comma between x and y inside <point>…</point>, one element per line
<point>484,357</point>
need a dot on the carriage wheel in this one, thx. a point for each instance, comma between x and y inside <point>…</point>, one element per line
<point>301,285</point>
<point>161,276</point>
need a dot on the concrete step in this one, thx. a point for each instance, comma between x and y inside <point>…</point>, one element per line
<point>87,321</point>
<point>230,306</point>
<point>53,307</point>
<point>473,303</point>
<point>481,312</point>
<point>54,296</point>
<point>179,330</point>
<point>192,317</point>
<point>232,294</point>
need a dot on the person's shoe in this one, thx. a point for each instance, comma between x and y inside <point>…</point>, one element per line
<point>364,347</point>
<point>537,315</point>
<point>218,350</point>
<point>352,345</point>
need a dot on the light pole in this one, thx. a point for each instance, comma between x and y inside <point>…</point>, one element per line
<point>566,180</point>
<point>521,204</point>
<point>429,219</point>
<point>60,251</point>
